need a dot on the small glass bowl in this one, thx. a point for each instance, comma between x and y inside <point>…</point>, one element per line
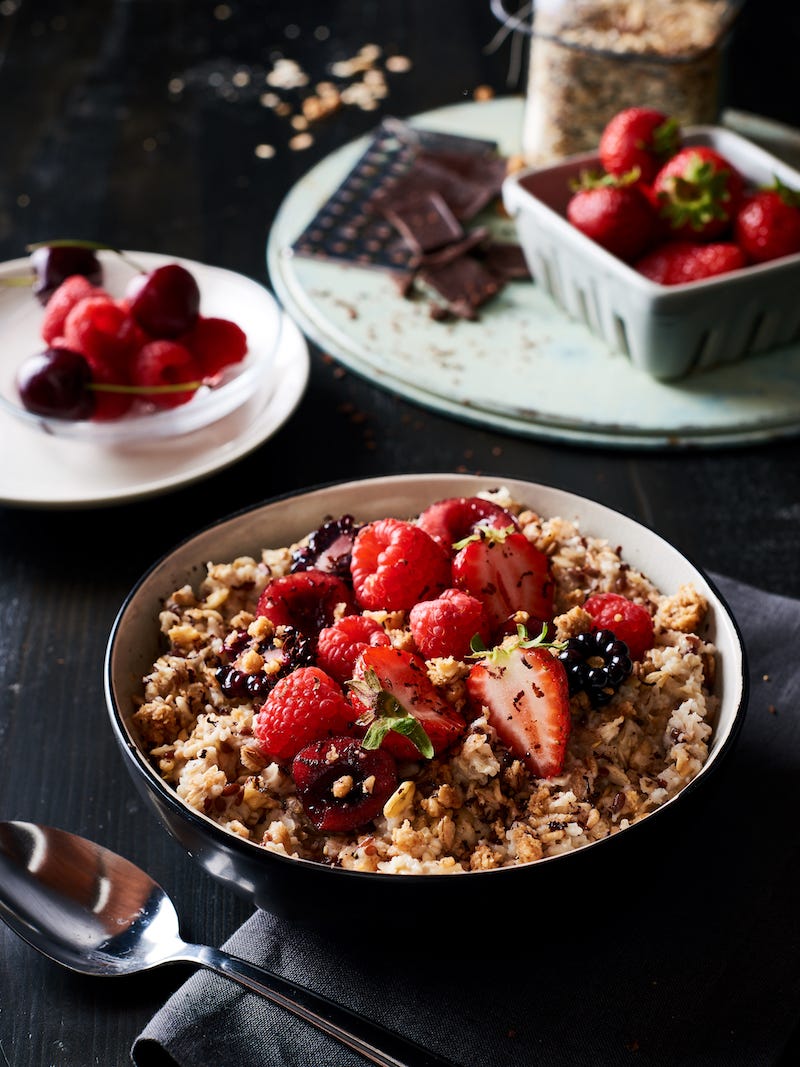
<point>223,294</point>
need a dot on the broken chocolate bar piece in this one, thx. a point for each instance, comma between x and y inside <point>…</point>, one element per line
<point>425,223</point>
<point>506,261</point>
<point>466,191</point>
<point>475,239</point>
<point>464,284</point>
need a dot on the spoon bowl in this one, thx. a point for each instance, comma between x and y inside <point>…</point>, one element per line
<point>93,911</point>
<point>81,905</point>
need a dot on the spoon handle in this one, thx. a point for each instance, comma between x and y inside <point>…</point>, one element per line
<point>378,1044</point>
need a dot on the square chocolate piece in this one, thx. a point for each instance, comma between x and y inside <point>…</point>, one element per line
<point>426,223</point>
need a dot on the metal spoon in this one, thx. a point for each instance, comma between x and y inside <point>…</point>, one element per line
<point>95,912</point>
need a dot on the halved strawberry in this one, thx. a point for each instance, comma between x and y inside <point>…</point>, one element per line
<point>400,705</point>
<point>525,692</point>
<point>508,573</point>
<point>305,600</point>
<point>454,518</point>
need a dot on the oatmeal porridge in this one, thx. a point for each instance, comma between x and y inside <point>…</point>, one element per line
<point>478,686</point>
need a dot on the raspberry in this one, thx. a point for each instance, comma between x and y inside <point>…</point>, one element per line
<point>341,785</point>
<point>628,621</point>
<point>109,406</point>
<point>215,344</point>
<point>307,705</point>
<point>445,626</point>
<point>72,290</point>
<point>306,600</point>
<point>96,326</point>
<point>161,363</point>
<point>395,563</point>
<point>340,645</point>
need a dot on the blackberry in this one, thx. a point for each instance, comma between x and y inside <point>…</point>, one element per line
<point>295,650</point>
<point>328,548</point>
<point>597,664</point>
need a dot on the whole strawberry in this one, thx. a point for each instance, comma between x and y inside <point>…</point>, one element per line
<point>678,262</point>
<point>640,139</point>
<point>698,192</point>
<point>768,223</point>
<point>629,621</point>
<point>614,213</point>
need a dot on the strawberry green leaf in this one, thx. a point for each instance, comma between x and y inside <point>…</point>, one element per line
<point>486,533</point>
<point>406,725</point>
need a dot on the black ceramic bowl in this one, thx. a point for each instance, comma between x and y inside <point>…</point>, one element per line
<point>301,888</point>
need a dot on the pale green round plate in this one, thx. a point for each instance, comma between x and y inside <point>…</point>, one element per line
<point>524,367</point>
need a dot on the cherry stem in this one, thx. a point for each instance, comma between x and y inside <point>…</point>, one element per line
<point>18,281</point>
<point>140,390</point>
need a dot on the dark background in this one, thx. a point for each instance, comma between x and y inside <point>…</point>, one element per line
<point>94,143</point>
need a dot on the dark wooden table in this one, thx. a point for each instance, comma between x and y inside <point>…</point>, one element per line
<point>100,141</point>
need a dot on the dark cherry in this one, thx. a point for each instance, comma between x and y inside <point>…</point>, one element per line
<point>295,650</point>
<point>328,548</point>
<point>165,301</point>
<point>305,600</point>
<point>52,264</point>
<point>371,777</point>
<point>55,383</point>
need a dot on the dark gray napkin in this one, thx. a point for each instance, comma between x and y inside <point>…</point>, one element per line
<point>699,966</point>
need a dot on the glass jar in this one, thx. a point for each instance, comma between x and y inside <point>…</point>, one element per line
<point>590,59</point>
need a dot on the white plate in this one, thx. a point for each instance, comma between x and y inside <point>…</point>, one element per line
<point>524,367</point>
<point>52,472</point>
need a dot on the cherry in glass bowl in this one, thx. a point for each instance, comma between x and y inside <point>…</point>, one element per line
<point>223,294</point>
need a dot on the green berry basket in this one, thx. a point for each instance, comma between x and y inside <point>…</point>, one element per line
<point>669,332</point>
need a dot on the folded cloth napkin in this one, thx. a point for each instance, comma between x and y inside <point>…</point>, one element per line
<point>701,968</point>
